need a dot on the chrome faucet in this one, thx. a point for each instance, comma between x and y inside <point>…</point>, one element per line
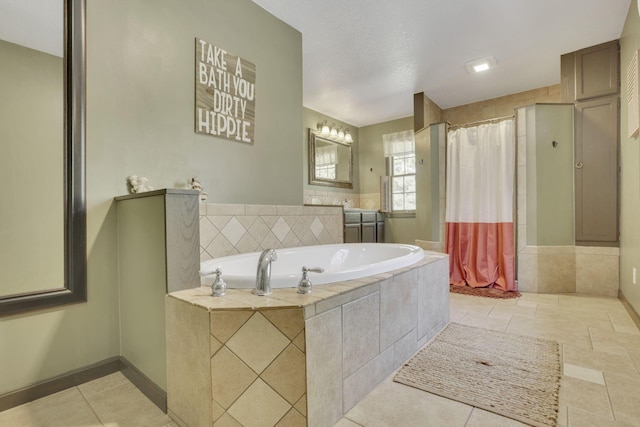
<point>263,276</point>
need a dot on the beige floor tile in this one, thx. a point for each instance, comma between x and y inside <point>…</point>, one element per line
<point>102,384</point>
<point>542,299</point>
<point>125,405</point>
<point>346,423</point>
<point>66,408</point>
<point>579,418</point>
<point>613,342</point>
<point>563,417</point>
<point>560,331</point>
<point>582,373</point>
<point>584,395</point>
<point>599,360</point>
<point>481,418</point>
<point>494,323</point>
<point>392,404</point>
<point>625,396</point>
<point>456,314</point>
<point>508,310</point>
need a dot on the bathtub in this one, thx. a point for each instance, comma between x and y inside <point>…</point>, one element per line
<point>341,262</point>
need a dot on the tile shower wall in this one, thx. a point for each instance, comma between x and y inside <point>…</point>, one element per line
<point>233,229</point>
<point>557,269</point>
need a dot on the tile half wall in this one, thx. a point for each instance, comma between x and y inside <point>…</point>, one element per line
<point>227,229</point>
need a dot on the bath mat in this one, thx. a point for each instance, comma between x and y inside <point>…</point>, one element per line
<point>484,292</point>
<point>511,375</point>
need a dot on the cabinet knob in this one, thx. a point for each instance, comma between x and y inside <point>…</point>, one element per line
<point>579,165</point>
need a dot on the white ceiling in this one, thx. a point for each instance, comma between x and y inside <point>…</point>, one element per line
<point>36,24</point>
<point>363,60</point>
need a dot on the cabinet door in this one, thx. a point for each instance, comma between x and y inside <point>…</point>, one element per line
<point>380,232</point>
<point>369,232</point>
<point>596,171</point>
<point>352,233</point>
<point>597,71</point>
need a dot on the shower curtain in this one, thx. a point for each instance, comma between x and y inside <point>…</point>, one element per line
<point>479,205</point>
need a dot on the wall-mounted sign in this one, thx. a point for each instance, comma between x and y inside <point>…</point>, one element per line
<point>225,94</point>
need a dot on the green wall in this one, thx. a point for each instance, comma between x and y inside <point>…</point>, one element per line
<point>310,120</point>
<point>373,166</point>
<point>630,167</point>
<point>140,116</point>
<point>550,193</point>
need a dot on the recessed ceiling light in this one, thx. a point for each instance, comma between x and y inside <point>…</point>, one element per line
<point>481,64</point>
<point>481,67</point>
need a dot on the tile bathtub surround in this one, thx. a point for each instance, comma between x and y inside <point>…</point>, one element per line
<point>233,229</point>
<point>307,358</point>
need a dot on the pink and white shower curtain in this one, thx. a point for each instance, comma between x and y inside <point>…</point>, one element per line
<point>479,205</point>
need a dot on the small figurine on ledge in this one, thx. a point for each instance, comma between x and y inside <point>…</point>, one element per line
<point>194,183</point>
<point>138,184</point>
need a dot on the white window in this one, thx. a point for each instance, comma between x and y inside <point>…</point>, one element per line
<point>403,182</point>
<point>399,188</point>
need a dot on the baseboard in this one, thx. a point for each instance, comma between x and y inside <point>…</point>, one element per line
<point>632,312</point>
<point>150,389</point>
<point>83,375</point>
<point>62,382</point>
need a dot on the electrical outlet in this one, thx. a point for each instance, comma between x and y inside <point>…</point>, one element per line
<point>634,275</point>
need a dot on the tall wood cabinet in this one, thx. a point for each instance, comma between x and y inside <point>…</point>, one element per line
<point>591,80</point>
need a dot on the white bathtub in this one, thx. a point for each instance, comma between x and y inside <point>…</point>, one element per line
<point>340,262</point>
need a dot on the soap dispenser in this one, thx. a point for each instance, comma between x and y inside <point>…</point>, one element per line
<point>219,288</point>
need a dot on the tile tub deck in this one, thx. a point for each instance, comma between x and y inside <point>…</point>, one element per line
<point>297,359</point>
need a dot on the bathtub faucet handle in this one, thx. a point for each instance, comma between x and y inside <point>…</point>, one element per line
<point>218,288</point>
<point>304,286</point>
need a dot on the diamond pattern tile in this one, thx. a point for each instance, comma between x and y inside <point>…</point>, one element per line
<point>222,234</point>
<point>259,230</point>
<point>208,232</point>
<point>259,406</point>
<point>289,321</point>
<point>301,405</point>
<point>230,377</point>
<point>233,231</point>
<point>223,324</point>
<point>292,419</point>
<point>219,247</point>
<point>317,227</point>
<point>258,342</point>
<point>281,229</point>
<point>286,374</point>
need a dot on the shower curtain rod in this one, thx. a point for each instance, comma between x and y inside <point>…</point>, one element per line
<point>494,120</point>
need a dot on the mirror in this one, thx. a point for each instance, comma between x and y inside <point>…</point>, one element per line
<point>42,124</point>
<point>330,162</point>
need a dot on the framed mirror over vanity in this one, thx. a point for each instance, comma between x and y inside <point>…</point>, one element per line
<point>42,133</point>
<point>330,161</point>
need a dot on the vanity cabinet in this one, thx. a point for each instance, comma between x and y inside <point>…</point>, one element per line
<point>363,226</point>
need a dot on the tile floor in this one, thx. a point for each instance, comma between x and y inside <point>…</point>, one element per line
<point>600,350</point>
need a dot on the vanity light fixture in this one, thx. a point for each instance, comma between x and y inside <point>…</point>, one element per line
<point>347,136</point>
<point>481,64</point>
<point>325,128</point>
<point>335,133</point>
